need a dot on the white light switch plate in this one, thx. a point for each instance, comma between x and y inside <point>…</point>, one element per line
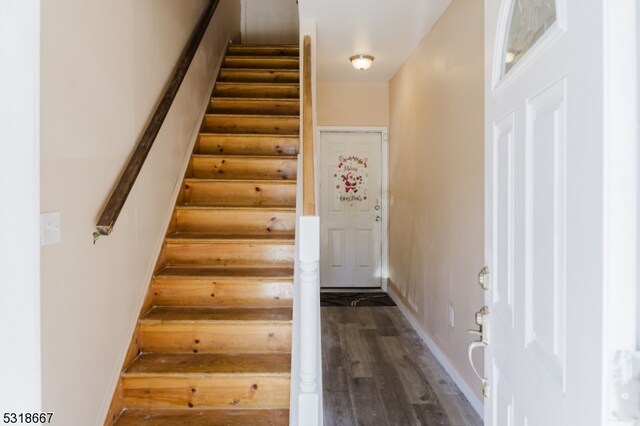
<point>49,228</point>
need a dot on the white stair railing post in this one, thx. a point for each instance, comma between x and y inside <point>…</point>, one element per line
<point>309,262</point>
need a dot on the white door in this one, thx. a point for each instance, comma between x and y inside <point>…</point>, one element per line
<point>545,222</point>
<point>350,209</point>
<point>270,22</point>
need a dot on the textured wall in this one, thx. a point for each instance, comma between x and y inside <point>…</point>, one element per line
<point>104,65</point>
<point>436,179</point>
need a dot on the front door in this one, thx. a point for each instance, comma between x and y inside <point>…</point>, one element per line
<point>544,212</point>
<point>351,209</point>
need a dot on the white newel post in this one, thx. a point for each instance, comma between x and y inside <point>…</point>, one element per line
<point>308,399</point>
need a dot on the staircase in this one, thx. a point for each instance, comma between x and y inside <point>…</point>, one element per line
<point>213,343</point>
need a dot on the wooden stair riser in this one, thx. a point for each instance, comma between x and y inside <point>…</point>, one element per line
<point>216,144</point>
<point>252,124</point>
<point>250,221</point>
<point>218,391</point>
<point>215,337</point>
<point>243,167</point>
<point>240,292</point>
<point>264,62</point>
<point>265,50</point>
<point>191,417</point>
<point>257,90</point>
<point>254,106</point>
<point>239,193</point>
<point>230,254</point>
<point>247,75</point>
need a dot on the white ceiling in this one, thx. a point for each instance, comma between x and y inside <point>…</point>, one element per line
<point>387,29</point>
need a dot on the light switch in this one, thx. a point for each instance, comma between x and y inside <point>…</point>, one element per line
<point>49,228</point>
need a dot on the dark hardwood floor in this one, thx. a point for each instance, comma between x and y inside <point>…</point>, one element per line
<point>377,371</point>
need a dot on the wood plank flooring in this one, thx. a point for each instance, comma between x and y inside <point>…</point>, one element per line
<point>377,371</point>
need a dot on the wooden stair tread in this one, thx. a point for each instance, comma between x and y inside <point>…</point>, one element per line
<point>240,136</point>
<point>279,49</point>
<point>233,181</point>
<point>240,208</point>
<point>254,116</point>
<point>160,314</point>
<point>245,157</point>
<point>257,100</point>
<point>261,70</point>
<point>264,57</point>
<point>283,237</point>
<point>269,85</point>
<point>251,135</point>
<point>210,364</point>
<point>209,272</point>
<point>210,417</point>
<point>241,100</point>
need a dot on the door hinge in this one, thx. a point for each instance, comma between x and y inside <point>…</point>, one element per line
<point>625,386</point>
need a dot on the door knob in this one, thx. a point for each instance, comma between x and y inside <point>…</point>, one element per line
<point>378,218</point>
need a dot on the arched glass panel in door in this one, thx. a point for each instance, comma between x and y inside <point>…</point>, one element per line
<point>528,21</point>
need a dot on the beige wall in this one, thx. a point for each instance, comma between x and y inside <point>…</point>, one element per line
<point>104,65</point>
<point>353,104</point>
<point>436,179</point>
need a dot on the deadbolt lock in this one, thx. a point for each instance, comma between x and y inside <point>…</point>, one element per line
<point>483,278</point>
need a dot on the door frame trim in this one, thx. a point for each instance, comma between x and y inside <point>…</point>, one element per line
<point>621,22</point>
<point>384,159</point>
<point>20,250</point>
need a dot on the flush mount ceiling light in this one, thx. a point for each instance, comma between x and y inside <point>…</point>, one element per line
<point>361,62</point>
<point>509,57</point>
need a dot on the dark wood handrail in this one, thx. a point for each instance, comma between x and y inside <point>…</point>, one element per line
<point>128,178</point>
<point>308,188</point>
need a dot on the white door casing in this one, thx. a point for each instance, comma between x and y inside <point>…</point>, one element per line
<point>270,22</point>
<point>546,223</point>
<point>20,295</point>
<point>352,209</point>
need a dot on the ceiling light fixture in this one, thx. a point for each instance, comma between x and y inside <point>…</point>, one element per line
<point>361,61</point>
<point>509,57</point>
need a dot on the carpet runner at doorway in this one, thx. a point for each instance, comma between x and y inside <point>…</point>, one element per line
<point>355,299</point>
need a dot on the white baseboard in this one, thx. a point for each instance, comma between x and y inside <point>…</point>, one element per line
<point>473,399</point>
